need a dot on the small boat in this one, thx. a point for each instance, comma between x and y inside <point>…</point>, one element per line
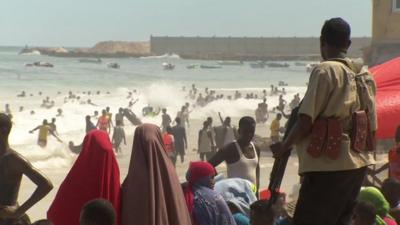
<point>39,64</point>
<point>257,65</point>
<point>192,66</point>
<point>97,61</point>
<point>113,65</point>
<point>278,65</point>
<point>300,64</point>
<point>168,66</point>
<point>210,66</point>
<point>230,63</point>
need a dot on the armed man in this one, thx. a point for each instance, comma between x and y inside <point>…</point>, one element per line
<point>334,132</point>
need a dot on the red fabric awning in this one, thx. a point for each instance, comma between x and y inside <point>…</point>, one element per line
<point>387,78</point>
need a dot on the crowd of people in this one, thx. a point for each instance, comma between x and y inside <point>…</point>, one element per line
<point>334,159</point>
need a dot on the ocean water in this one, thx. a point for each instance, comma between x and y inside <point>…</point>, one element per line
<point>155,87</point>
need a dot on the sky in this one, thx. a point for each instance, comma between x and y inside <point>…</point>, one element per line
<point>81,23</point>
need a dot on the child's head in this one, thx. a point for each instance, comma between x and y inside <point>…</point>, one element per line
<point>169,130</point>
<point>391,191</point>
<point>262,213</point>
<point>98,212</point>
<point>364,214</point>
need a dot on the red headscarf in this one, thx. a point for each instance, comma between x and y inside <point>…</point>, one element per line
<point>197,171</point>
<point>95,174</point>
<point>152,194</point>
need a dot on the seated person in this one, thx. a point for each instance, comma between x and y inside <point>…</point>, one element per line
<point>373,196</point>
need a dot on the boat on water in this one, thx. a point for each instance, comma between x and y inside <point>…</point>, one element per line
<point>168,66</point>
<point>165,56</point>
<point>300,64</point>
<point>230,63</point>
<point>39,64</point>
<point>113,65</point>
<point>96,61</point>
<point>257,65</point>
<point>278,65</point>
<point>210,66</point>
<point>192,66</point>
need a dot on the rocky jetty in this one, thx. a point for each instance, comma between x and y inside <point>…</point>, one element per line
<point>106,49</point>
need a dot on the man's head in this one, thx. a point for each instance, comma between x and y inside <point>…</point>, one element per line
<point>247,128</point>
<point>178,120</point>
<point>164,110</point>
<point>108,109</point>
<point>120,110</point>
<point>205,124</point>
<point>391,191</point>
<point>335,37</point>
<point>104,112</point>
<point>53,120</point>
<point>209,120</point>
<point>227,121</point>
<point>98,212</point>
<point>364,214</point>
<point>278,116</point>
<point>5,126</point>
<point>262,213</point>
<point>45,122</point>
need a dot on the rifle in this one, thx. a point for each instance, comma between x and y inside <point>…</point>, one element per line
<point>279,167</point>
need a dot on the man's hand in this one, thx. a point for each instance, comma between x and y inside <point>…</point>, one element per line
<point>278,149</point>
<point>9,212</point>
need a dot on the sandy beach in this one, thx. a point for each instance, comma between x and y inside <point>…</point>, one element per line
<point>57,175</point>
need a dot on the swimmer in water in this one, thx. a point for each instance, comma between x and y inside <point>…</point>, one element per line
<point>59,112</point>
<point>8,110</point>
<point>23,94</point>
<point>44,131</point>
<point>89,102</point>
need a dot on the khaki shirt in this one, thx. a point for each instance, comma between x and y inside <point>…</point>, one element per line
<point>331,92</point>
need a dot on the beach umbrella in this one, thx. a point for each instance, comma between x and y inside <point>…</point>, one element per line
<point>387,78</point>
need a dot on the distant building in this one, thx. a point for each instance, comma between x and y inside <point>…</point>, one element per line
<point>385,32</point>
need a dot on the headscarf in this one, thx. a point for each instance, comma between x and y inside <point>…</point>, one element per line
<point>206,206</point>
<point>198,171</point>
<point>152,194</point>
<point>238,192</point>
<point>375,197</point>
<point>95,174</point>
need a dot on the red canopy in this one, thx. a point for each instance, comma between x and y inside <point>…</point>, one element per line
<point>387,78</point>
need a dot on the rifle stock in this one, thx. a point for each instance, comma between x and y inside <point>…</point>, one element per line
<point>279,167</point>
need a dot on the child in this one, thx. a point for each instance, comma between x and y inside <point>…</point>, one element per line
<point>99,212</point>
<point>262,213</point>
<point>118,136</point>
<point>169,142</point>
<point>364,214</point>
